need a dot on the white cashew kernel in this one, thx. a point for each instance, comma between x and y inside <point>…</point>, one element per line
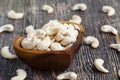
<point>115,46</point>
<point>79,6</point>
<point>91,40</point>
<point>99,65</point>
<point>47,8</point>
<point>66,40</point>
<point>119,73</point>
<point>6,53</point>
<point>21,75</point>
<point>108,28</point>
<point>29,29</point>
<point>68,46</point>
<point>67,75</point>
<point>7,27</point>
<point>109,10</point>
<point>13,15</point>
<point>76,19</point>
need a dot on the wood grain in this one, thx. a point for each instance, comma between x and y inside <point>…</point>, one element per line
<point>92,20</point>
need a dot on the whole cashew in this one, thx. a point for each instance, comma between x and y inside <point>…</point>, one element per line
<point>68,46</point>
<point>29,29</point>
<point>110,10</point>
<point>115,46</point>
<point>48,8</point>
<point>66,40</point>
<point>119,73</point>
<point>108,28</point>
<point>59,37</point>
<point>13,15</point>
<point>76,19</point>
<point>21,75</point>
<point>91,40</point>
<point>79,6</point>
<point>7,27</point>
<point>99,65</point>
<point>6,53</point>
<point>67,75</point>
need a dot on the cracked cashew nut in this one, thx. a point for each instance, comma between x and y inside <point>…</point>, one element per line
<point>76,19</point>
<point>109,10</point>
<point>108,28</point>
<point>29,29</point>
<point>119,73</point>
<point>91,40</point>
<point>6,53</point>
<point>67,75</point>
<point>115,46</point>
<point>79,6</point>
<point>99,65</point>
<point>6,27</point>
<point>21,75</point>
<point>48,8</point>
<point>13,15</point>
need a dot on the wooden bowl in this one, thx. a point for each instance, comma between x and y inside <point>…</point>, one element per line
<point>48,60</point>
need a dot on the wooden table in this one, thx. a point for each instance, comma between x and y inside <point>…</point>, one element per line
<point>92,20</point>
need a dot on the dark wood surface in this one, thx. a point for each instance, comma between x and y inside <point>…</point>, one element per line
<point>92,20</point>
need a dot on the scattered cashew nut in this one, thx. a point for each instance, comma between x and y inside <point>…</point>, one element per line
<point>47,8</point>
<point>7,27</point>
<point>108,28</point>
<point>115,46</point>
<point>79,6</point>
<point>67,75</point>
<point>13,15</point>
<point>91,40</point>
<point>99,65</point>
<point>119,73</point>
<point>6,53</point>
<point>21,75</point>
<point>29,29</point>
<point>76,19</point>
<point>110,10</point>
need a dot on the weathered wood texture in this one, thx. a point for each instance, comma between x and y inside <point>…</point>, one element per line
<point>92,20</point>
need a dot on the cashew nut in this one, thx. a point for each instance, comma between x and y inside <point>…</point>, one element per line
<point>91,40</point>
<point>21,75</point>
<point>119,73</point>
<point>13,15</point>
<point>76,19</point>
<point>79,6</point>
<point>67,75</point>
<point>59,37</point>
<point>56,46</point>
<point>47,8</point>
<point>99,65</point>
<point>29,29</point>
<point>115,46</point>
<point>6,53</point>
<point>66,40</point>
<point>68,46</point>
<point>7,27</point>
<point>109,10</point>
<point>108,28</point>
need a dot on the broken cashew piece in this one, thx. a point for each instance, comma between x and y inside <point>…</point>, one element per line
<point>67,75</point>
<point>6,53</point>
<point>109,10</point>
<point>79,6</point>
<point>91,40</point>
<point>29,29</point>
<point>13,15</point>
<point>76,19</point>
<point>108,28</point>
<point>99,65</point>
<point>115,46</point>
<point>7,27</point>
<point>119,73</point>
<point>47,8</point>
<point>21,75</point>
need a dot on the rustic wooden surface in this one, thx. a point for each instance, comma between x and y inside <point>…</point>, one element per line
<point>92,20</point>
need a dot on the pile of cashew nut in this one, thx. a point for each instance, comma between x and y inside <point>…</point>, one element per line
<point>52,36</point>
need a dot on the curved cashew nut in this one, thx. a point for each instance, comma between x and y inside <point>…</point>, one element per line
<point>91,40</point>
<point>115,46</point>
<point>6,54</point>
<point>110,10</point>
<point>21,75</point>
<point>66,40</point>
<point>7,27</point>
<point>79,6</point>
<point>29,29</point>
<point>76,19</point>
<point>47,8</point>
<point>68,46</point>
<point>59,37</point>
<point>67,75</point>
<point>99,65</point>
<point>119,73</point>
<point>56,46</point>
<point>13,15</point>
<point>108,28</point>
